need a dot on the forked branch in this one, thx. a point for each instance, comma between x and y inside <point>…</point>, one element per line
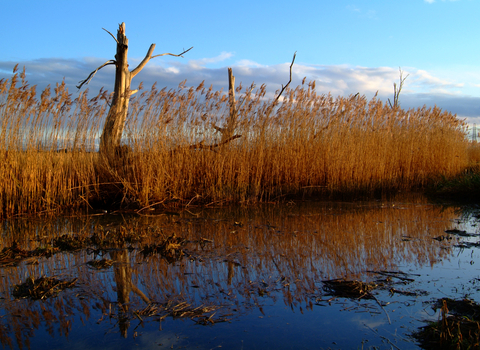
<point>149,56</point>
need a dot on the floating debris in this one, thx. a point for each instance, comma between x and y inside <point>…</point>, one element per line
<point>46,251</point>
<point>467,245</point>
<point>203,314</point>
<point>41,288</point>
<point>11,256</point>
<point>395,274</point>
<point>170,248</point>
<point>71,242</point>
<point>415,293</point>
<point>460,233</point>
<point>107,237</point>
<point>349,289</point>
<point>442,238</point>
<point>100,264</point>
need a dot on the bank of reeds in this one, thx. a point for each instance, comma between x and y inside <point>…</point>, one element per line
<point>306,144</point>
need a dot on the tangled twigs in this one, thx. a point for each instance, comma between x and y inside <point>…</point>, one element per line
<point>41,288</point>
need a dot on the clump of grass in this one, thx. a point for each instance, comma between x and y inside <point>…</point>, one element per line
<point>474,153</point>
<point>458,330</point>
<point>464,186</point>
<point>305,144</point>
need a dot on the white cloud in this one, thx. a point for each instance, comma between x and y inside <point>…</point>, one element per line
<point>421,87</point>
<point>422,81</point>
<point>173,70</point>
<point>248,63</point>
<point>211,60</point>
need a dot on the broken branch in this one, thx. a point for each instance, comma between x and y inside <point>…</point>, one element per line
<point>90,77</point>
<point>171,54</point>
<point>284,87</point>
<point>111,35</point>
<point>200,145</point>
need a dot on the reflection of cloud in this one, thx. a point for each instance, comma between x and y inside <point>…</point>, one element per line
<point>421,87</point>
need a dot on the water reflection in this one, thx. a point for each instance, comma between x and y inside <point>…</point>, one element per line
<point>124,285</point>
<point>236,260</point>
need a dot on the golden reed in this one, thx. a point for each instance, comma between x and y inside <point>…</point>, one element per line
<point>305,145</point>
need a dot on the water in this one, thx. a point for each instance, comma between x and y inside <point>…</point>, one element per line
<point>257,272</point>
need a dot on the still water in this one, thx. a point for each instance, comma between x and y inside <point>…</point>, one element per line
<point>243,278</point>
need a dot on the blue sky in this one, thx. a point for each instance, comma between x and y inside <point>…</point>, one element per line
<point>345,46</point>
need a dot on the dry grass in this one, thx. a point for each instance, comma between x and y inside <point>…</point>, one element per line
<point>305,145</point>
<point>474,153</point>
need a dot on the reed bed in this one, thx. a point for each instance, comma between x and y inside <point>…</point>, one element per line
<point>306,144</point>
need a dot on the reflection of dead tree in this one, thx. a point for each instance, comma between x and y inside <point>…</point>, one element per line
<point>115,122</point>
<point>231,272</point>
<point>123,280</point>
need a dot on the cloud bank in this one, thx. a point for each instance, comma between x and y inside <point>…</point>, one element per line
<point>421,87</point>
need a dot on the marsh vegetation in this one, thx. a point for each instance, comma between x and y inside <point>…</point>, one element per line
<point>306,144</point>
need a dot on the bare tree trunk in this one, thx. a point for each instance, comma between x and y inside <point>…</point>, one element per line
<point>117,115</point>
<point>232,118</point>
<point>115,122</point>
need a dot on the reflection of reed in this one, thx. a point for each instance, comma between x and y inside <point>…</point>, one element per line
<point>301,245</point>
<point>248,254</point>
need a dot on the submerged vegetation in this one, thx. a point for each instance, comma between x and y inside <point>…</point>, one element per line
<point>173,154</point>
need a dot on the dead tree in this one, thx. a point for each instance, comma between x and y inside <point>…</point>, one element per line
<point>396,91</point>
<point>228,131</point>
<point>233,116</point>
<point>115,122</point>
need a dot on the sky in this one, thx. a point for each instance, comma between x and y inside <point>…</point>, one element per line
<point>345,46</point>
